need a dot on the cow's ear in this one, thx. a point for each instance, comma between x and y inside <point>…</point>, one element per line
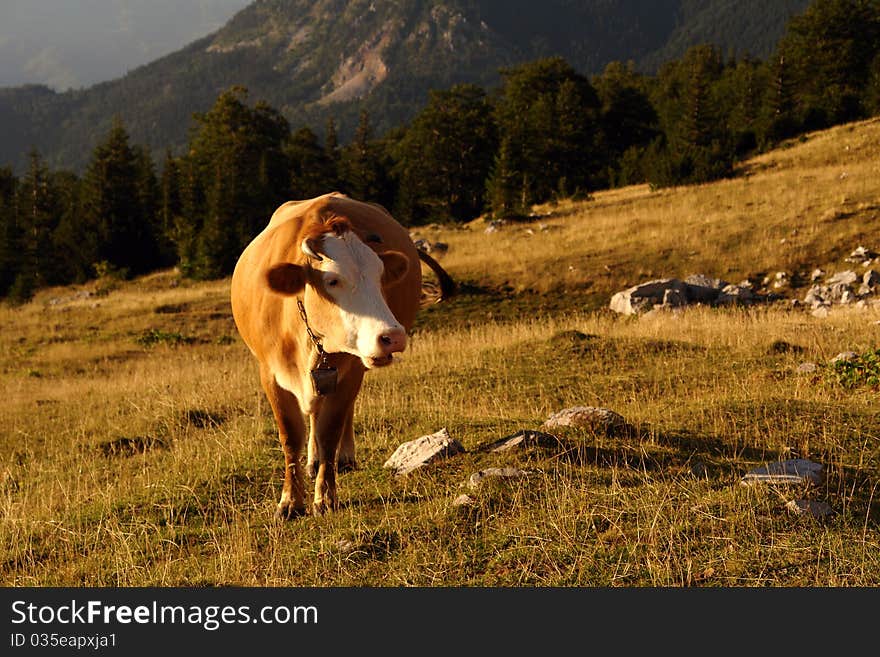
<point>286,278</point>
<point>396,267</point>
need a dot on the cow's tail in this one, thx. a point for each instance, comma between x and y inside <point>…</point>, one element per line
<point>448,288</point>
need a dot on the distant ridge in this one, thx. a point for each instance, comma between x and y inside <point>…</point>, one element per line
<point>311,59</point>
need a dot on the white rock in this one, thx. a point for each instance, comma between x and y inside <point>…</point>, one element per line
<point>524,439</point>
<point>845,355</point>
<point>424,450</point>
<point>815,508</point>
<point>847,277</point>
<point>478,478</point>
<point>464,500</point>
<point>793,471</point>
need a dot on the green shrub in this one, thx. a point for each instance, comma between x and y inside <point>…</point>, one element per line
<point>863,370</point>
<point>154,336</point>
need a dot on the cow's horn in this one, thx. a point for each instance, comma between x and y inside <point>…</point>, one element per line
<point>307,249</point>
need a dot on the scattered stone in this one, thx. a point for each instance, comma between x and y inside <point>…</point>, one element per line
<point>674,298</point>
<point>821,312</point>
<point>641,298</point>
<point>807,368</point>
<point>703,289</point>
<point>464,500</point>
<point>477,479</point>
<point>495,225</point>
<point>861,255</point>
<point>736,294</point>
<point>793,471</point>
<point>424,450</point>
<point>816,275</point>
<point>597,419</point>
<point>780,279</point>
<point>847,277</point>
<point>816,508</point>
<point>870,281</point>
<point>430,247</point>
<point>845,356</point>
<point>524,439</point>
<point>670,293</point>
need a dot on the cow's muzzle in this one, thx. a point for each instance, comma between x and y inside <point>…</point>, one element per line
<point>389,342</point>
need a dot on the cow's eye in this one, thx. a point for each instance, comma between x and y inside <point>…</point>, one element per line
<point>332,282</point>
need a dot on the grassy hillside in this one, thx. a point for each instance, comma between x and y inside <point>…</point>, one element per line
<point>136,447</point>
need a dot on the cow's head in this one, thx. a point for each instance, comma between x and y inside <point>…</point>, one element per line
<point>341,281</point>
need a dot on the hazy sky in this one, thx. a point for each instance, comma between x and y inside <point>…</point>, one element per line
<point>76,43</point>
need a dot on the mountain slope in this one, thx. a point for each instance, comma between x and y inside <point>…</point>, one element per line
<point>74,44</point>
<point>315,58</point>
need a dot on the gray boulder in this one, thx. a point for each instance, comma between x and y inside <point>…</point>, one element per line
<point>703,289</point>
<point>736,294</point>
<point>524,439</point>
<point>870,282</point>
<point>641,298</point>
<point>424,450</point>
<point>666,293</point>
<point>602,420</point>
<point>847,278</point>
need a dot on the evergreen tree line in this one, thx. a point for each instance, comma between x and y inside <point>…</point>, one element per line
<point>546,132</point>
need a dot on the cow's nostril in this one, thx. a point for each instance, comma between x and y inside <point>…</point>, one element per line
<point>386,340</point>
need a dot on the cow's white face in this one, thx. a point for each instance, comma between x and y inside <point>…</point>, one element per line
<point>346,304</point>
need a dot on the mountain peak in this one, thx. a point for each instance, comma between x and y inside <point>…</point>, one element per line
<point>311,59</point>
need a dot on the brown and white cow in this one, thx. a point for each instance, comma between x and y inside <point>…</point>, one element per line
<point>331,282</point>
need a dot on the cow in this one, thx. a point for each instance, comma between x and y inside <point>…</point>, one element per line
<point>328,290</point>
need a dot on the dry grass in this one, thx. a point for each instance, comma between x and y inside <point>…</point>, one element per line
<point>131,461</point>
<point>804,206</point>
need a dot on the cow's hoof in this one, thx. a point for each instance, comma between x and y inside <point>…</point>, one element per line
<point>289,511</point>
<point>346,464</point>
<point>320,508</point>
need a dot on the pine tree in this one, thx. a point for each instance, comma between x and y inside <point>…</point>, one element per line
<point>503,189</point>
<point>312,172</point>
<point>10,245</point>
<point>331,151</point>
<point>112,205</point>
<point>72,242</point>
<point>830,49</point>
<point>360,162</point>
<point>232,202</point>
<point>549,116</point>
<point>170,209</point>
<point>444,157</point>
<point>38,214</point>
<point>628,123</point>
<point>777,120</point>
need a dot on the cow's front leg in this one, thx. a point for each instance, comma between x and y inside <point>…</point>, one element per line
<point>326,432</point>
<point>345,457</point>
<point>291,433</point>
<point>349,387</point>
